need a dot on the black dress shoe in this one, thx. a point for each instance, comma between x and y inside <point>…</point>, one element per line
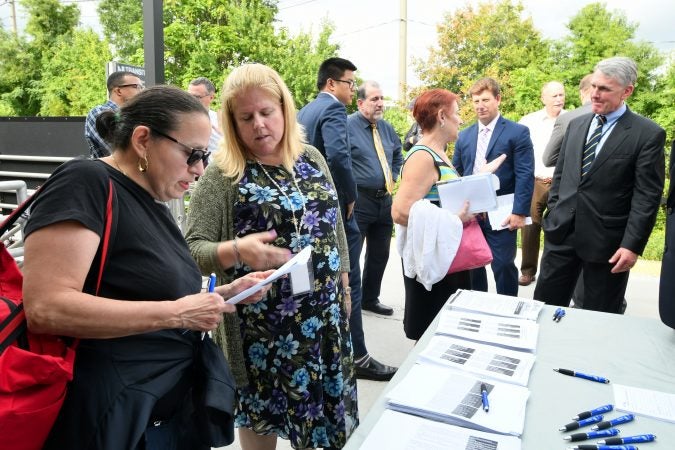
<point>371,369</point>
<point>378,308</point>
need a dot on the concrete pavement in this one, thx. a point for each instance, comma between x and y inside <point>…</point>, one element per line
<point>387,342</point>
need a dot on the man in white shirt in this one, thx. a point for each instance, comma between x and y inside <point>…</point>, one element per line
<point>203,89</point>
<point>540,124</point>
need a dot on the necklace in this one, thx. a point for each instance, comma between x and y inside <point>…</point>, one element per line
<point>112,155</point>
<point>296,223</point>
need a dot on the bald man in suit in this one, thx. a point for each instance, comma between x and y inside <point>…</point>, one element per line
<point>600,215</point>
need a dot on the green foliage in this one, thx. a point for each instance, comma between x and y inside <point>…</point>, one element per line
<point>488,40</point>
<point>74,77</point>
<point>400,119</point>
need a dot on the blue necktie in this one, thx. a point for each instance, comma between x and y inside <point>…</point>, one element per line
<point>591,145</point>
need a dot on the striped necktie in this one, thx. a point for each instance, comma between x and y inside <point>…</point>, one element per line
<point>481,149</point>
<point>592,145</point>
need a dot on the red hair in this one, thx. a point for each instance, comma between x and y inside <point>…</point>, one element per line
<point>429,103</point>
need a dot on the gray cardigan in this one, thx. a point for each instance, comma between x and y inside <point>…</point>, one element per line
<point>210,221</point>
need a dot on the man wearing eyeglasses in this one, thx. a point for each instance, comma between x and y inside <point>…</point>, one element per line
<point>325,122</point>
<point>203,90</point>
<point>122,86</point>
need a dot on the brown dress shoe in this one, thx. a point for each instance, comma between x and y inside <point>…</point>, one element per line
<point>526,280</point>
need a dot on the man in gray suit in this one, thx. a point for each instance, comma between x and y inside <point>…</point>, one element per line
<point>604,197</point>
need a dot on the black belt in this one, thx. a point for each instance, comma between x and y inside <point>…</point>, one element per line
<point>377,193</point>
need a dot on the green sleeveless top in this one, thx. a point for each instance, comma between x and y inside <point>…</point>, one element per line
<point>445,171</point>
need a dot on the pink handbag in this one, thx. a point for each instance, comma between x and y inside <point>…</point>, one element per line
<point>473,251</point>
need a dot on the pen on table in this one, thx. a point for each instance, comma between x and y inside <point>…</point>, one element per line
<point>610,423</point>
<point>629,439</point>
<point>591,435</point>
<point>581,423</point>
<point>557,311</point>
<point>593,412</point>
<point>484,397</point>
<point>574,373</point>
<point>560,316</point>
<point>603,447</point>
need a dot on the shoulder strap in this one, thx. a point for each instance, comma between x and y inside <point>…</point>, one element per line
<point>437,161</point>
<point>14,324</point>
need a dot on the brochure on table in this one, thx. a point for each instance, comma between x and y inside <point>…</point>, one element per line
<point>481,360</point>
<point>452,397</point>
<point>495,304</point>
<point>502,331</point>
<point>398,431</point>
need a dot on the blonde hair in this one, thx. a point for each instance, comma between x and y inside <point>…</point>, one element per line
<point>231,158</point>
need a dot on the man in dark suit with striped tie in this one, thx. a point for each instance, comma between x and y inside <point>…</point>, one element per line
<point>604,197</point>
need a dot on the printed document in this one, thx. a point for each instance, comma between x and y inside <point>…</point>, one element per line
<point>480,190</point>
<point>495,304</point>
<point>645,402</point>
<point>447,396</point>
<point>502,331</point>
<point>300,259</point>
<point>398,431</point>
<point>501,364</point>
<point>504,207</point>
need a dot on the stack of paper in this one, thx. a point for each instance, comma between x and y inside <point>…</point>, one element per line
<point>479,190</point>
<point>481,360</point>
<point>452,397</point>
<point>396,431</point>
<point>645,402</point>
<point>495,304</point>
<point>502,331</point>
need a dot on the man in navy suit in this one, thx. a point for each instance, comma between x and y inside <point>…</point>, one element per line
<point>325,122</point>
<point>482,142</point>
<point>605,194</point>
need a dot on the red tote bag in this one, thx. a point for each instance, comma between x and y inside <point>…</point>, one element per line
<point>34,368</point>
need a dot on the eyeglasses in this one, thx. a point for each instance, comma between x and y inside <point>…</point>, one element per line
<point>195,153</point>
<point>199,97</point>
<point>351,83</point>
<point>138,87</point>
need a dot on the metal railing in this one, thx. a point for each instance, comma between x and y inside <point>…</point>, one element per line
<point>13,238</point>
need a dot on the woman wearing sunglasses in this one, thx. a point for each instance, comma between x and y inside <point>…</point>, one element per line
<point>142,351</point>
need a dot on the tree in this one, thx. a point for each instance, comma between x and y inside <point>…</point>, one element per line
<point>74,77</point>
<point>490,39</point>
<point>23,59</point>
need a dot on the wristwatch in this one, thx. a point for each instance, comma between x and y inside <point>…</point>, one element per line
<point>347,291</point>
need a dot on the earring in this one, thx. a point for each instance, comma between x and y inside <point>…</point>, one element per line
<point>143,164</point>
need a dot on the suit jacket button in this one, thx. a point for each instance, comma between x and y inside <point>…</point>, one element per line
<point>572,210</point>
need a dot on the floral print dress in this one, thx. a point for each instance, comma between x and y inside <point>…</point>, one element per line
<point>297,348</point>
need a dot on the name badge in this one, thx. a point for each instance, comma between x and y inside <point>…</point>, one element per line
<point>302,278</point>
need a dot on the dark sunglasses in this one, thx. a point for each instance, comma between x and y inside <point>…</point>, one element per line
<point>195,153</point>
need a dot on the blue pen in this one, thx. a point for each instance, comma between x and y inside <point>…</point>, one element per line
<point>560,316</point>
<point>604,447</point>
<point>557,311</point>
<point>484,397</point>
<point>629,439</point>
<point>581,423</point>
<point>593,412</point>
<point>610,423</point>
<point>591,435</point>
<point>574,373</point>
<point>212,283</point>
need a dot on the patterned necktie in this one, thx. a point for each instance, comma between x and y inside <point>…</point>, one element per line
<point>481,149</point>
<point>388,179</point>
<point>591,145</point>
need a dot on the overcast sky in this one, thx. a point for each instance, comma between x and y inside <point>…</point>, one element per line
<point>368,30</point>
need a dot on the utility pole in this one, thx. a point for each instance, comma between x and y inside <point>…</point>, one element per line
<point>16,33</point>
<point>403,51</point>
